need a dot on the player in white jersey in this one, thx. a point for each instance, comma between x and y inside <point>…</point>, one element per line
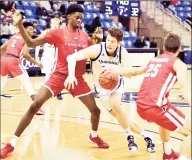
<point>104,55</point>
<point>48,57</point>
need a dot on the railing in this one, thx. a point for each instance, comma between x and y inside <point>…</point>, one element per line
<point>147,5</point>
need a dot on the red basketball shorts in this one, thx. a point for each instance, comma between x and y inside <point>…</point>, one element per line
<point>168,116</point>
<point>12,65</point>
<point>56,84</point>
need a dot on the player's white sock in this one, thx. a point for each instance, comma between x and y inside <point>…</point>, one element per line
<point>167,148</point>
<point>94,133</point>
<point>183,158</point>
<point>14,140</point>
<point>128,131</point>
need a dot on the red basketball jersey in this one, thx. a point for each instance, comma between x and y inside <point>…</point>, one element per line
<point>66,43</point>
<point>15,45</point>
<point>158,80</point>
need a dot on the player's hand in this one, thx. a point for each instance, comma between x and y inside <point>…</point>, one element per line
<point>17,17</point>
<point>40,65</point>
<point>98,33</point>
<point>70,81</point>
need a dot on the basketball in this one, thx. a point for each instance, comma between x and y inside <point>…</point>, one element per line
<point>108,80</point>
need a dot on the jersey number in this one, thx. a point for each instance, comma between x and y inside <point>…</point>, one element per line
<point>13,43</point>
<point>153,70</point>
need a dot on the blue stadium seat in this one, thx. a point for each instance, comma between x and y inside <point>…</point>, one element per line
<point>3,40</point>
<point>34,4</point>
<point>185,3</point>
<point>173,10</point>
<point>24,3</point>
<point>181,15</point>
<point>128,44</point>
<point>89,8</point>
<point>101,16</point>
<point>188,9</point>
<point>179,9</point>
<point>123,43</point>
<point>126,34</point>
<point>187,57</point>
<point>119,24</point>
<point>87,16</point>
<point>40,27</point>
<point>132,34</point>
<point>20,10</point>
<point>93,15</point>
<point>29,13</point>
<point>42,22</point>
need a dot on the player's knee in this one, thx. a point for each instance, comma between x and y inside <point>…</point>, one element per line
<point>116,110</point>
<point>96,111</point>
<point>186,129</point>
<point>36,105</point>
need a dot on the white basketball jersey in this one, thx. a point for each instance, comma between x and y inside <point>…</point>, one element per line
<point>48,57</point>
<point>104,60</point>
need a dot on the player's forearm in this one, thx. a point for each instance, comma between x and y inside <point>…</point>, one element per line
<point>71,65</point>
<point>30,59</point>
<point>138,71</point>
<point>26,37</point>
<point>127,71</point>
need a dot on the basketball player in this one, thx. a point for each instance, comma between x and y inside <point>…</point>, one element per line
<point>48,57</point>
<point>161,74</point>
<point>12,52</point>
<point>112,55</point>
<point>66,40</point>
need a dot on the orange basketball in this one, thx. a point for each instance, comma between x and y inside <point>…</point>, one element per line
<point>108,80</point>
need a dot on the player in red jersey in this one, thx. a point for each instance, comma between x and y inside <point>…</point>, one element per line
<point>12,52</point>
<point>66,40</point>
<point>153,105</point>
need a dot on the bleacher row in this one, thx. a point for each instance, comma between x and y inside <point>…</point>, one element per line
<point>182,9</point>
<point>91,11</point>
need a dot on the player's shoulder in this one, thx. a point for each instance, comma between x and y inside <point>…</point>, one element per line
<point>179,64</point>
<point>56,31</point>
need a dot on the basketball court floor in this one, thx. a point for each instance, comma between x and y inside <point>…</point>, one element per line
<point>62,133</point>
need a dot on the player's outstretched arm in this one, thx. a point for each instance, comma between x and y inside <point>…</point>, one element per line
<point>28,57</point>
<point>181,72</point>
<point>90,52</point>
<point>17,18</point>
<point>126,69</point>
<point>4,47</point>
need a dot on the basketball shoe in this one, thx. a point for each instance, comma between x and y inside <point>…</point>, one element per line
<point>98,141</point>
<point>150,144</point>
<point>172,156</point>
<point>6,150</point>
<point>132,146</point>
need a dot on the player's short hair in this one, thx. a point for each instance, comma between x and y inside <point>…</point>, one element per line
<point>116,32</point>
<point>27,24</point>
<point>74,8</point>
<point>172,43</point>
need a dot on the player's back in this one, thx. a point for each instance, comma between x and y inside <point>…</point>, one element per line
<point>15,45</point>
<point>158,80</point>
